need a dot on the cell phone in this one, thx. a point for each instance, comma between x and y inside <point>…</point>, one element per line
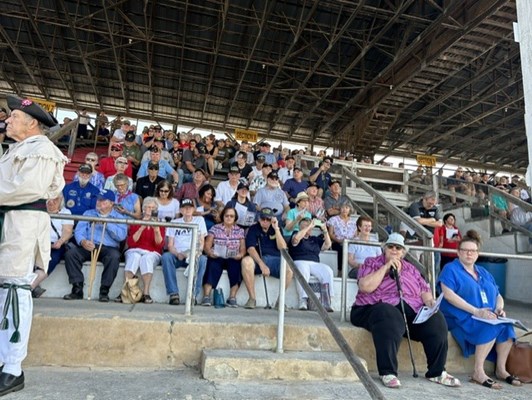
<point>318,222</point>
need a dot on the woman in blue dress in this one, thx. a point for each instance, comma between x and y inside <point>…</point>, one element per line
<point>470,291</point>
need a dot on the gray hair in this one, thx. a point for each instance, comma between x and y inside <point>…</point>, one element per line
<point>120,178</point>
<point>150,200</point>
<point>431,194</point>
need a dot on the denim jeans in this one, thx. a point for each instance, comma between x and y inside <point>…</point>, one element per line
<point>170,263</point>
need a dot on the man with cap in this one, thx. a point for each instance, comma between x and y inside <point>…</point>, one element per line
<point>245,208</point>
<point>257,168</point>
<point>190,190</point>
<point>227,189</point>
<point>31,172</point>
<point>146,185</point>
<point>334,199</point>
<point>321,176</point>
<point>165,169</point>
<point>266,151</point>
<point>178,254</point>
<point>295,185</point>
<point>272,196</point>
<point>132,151</point>
<point>81,195</point>
<point>264,240</point>
<point>107,164</point>
<point>92,236</point>
<point>160,143</point>
<point>287,172</point>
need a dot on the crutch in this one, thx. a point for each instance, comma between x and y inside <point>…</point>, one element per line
<point>395,276</point>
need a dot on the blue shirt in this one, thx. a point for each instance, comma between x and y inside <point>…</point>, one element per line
<point>293,187</point>
<point>165,169</point>
<point>268,242</point>
<point>80,199</point>
<point>113,235</point>
<point>323,179</point>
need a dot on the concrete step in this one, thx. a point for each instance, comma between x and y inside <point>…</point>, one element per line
<point>268,365</point>
<point>111,335</point>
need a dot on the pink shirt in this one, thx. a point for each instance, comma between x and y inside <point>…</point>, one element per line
<point>411,280</point>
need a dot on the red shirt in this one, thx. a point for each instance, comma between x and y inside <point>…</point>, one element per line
<point>146,240</point>
<point>441,232</point>
<point>107,167</point>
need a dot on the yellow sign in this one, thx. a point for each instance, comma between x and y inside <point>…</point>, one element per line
<point>243,134</point>
<point>426,161</point>
<point>47,105</point>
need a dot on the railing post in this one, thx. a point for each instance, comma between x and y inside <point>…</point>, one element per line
<point>280,321</point>
<point>191,271</point>
<point>345,268</point>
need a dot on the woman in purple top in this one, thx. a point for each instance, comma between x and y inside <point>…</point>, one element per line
<point>377,308</point>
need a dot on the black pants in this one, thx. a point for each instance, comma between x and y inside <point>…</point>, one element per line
<point>387,327</point>
<point>109,256</point>
<point>339,254</point>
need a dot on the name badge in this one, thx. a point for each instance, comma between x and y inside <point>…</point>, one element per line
<point>484,297</point>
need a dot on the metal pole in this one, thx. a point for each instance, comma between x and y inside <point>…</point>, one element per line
<point>280,322</point>
<point>191,273</point>
<point>345,267</point>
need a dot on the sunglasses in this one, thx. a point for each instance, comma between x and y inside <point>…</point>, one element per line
<point>121,162</point>
<point>229,216</point>
<point>115,149</point>
<point>164,191</point>
<point>394,246</point>
<point>265,219</point>
<point>152,168</point>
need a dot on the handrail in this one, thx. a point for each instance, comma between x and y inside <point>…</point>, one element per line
<point>131,221</point>
<point>352,358</point>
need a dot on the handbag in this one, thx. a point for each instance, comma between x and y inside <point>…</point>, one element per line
<point>519,361</point>
<point>131,293</point>
<point>219,299</point>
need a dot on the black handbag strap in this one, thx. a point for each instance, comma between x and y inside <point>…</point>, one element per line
<point>55,229</point>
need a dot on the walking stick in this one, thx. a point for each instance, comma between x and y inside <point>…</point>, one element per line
<point>268,306</point>
<point>95,253</point>
<point>395,276</point>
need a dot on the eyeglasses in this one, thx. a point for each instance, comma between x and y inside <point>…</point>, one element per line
<point>164,191</point>
<point>394,246</point>
<point>121,162</point>
<point>469,251</point>
<point>91,159</point>
<point>115,149</point>
<point>229,216</point>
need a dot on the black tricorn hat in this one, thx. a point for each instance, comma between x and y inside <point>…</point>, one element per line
<point>32,109</point>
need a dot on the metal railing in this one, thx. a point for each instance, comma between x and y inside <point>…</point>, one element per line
<point>129,221</point>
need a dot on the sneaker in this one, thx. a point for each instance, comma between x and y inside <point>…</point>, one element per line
<point>174,300</point>
<point>303,304</point>
<point>206,301</point>
<point>231,302</point>
<point>104,298</point>
<point>390,381</point>
<point>118,299</point>
<point>251,304</point>
<point>147,299</point>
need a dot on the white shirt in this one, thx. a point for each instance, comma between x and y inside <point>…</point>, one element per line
<point>169,210</point>
<point>224,192</point>
<point>183,236</point>
<point>58,225</point>
<point>285,174</point>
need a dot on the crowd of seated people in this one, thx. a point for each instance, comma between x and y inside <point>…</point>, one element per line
<point>172,170</point>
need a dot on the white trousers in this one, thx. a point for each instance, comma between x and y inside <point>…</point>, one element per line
<point>322,272</point>
<point>143,259</point>
<point>12,354</point>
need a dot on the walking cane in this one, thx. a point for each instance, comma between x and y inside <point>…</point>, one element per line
<point>268,306</point>
<point>395,276</point>
<point>95,253</point>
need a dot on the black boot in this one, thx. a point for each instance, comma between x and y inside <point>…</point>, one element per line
<point>76,293</point>
<point>104,294</point>
<point>10,383</point>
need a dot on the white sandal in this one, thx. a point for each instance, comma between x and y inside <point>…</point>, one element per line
<point>391,381</point>
<point>446,379</point>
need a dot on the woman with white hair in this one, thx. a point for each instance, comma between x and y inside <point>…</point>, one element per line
<point>120,165</point>
<point>145,246</point>
<point>126,202</point>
